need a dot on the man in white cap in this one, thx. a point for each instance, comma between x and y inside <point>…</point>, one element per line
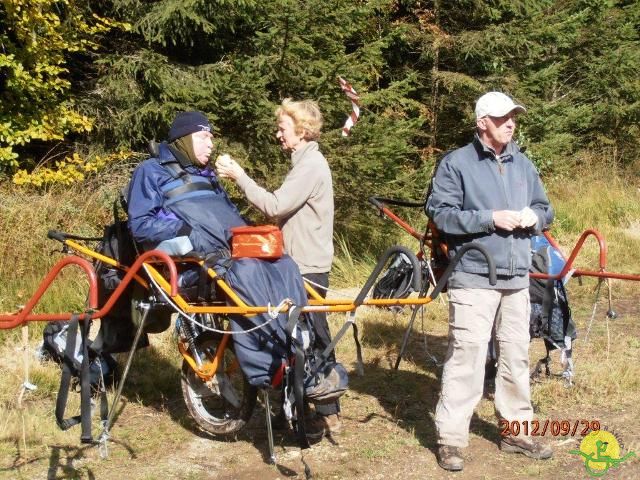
<point>488,192</point>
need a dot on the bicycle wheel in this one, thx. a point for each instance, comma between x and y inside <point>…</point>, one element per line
<point>224,404</point>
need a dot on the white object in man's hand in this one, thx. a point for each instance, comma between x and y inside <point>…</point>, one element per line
<point>528,218</point>
<point>506,219</point>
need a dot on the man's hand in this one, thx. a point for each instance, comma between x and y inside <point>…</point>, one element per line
<point>228,167</point>
<point>507,219</point>
<point>528,218</point>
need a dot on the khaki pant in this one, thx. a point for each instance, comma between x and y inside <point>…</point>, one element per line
<point>471,316</point>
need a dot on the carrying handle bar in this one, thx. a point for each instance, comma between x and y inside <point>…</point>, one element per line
<point>379,202</point>
<point>25,315</point>
<point>415,282</point>
<point>493,278</point>
<point>62,236</point>
<point>376,202</point>
<point>56,235</point>
<point>384,211</point>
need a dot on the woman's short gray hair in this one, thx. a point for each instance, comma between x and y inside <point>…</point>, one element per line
<point>306,116</point>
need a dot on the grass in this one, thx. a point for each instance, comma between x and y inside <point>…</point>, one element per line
<point>388,414</point>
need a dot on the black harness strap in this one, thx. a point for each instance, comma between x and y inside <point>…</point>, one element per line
<point>547,310</point>
<point>181,160</point>
<point>360,363</point>
<point>298,377</point>
<point>65,379</point>
<point>177,170</point>
<point>322,358</point>
<point>188,188</point>
<point>85,381</point>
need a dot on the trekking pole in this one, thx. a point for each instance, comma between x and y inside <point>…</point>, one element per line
<point>611,312</point>
<point>26,385</point>
<point>104,436</point>
<point>593,311</point>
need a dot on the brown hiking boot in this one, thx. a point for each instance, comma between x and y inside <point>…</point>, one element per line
<point>527,446</point>
<point>321,425</point>
<point>450,458</point>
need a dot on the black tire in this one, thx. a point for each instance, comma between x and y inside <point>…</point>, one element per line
<point>212,412</point>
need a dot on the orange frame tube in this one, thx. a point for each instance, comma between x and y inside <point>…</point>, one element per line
<point>316,303</point>
<point>602,256</point>
<point>25,315</point>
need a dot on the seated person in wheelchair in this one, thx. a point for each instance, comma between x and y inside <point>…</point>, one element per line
<point>176,195</point>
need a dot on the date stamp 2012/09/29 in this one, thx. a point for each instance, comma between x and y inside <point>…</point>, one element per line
<point>554,428</point>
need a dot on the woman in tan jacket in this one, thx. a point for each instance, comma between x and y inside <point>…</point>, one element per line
<point>303,208</point>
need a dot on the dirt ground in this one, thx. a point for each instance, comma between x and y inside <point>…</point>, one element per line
<point>388,426</point>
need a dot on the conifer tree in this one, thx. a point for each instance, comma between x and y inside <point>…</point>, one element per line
<point>419,66</point>
<point>236,60</point>
<point>572,63</point>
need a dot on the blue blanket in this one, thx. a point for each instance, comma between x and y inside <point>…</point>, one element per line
<point>260,283</point>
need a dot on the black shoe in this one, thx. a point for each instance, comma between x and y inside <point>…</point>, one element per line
<point>450,458</point>
<point>526,446</point>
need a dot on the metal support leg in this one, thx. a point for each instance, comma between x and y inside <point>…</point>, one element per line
<point>104,436</point>
<point>405,338</point>
<point>407,332</point>
<point>267,408</point>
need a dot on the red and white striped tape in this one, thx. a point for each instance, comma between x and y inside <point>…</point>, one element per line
<point>355,105</point>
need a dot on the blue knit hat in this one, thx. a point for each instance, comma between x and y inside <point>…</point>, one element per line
<point>187,123</point>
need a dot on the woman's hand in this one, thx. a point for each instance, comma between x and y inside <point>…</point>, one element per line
<point>227,167</point>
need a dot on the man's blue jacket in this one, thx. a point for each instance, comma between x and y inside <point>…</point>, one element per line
<point>469,184</point>
<point>162,207</point>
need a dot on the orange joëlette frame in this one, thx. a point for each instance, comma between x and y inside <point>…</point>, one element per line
<point>234,305</point>
<point>569,261</point>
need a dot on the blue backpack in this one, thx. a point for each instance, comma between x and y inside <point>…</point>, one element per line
<point>551,317</point>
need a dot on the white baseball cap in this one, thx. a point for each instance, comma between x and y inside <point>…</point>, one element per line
<point>496,104</point>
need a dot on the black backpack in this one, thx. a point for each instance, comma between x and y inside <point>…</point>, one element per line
<point>68,344</point>
<point>551,317</point>
<point>395,282</point>
<point>118,327</point>
<point>117,331</point>
<point>102,367</point>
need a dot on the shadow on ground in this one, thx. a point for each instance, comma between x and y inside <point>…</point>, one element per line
<point>409,395</point>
